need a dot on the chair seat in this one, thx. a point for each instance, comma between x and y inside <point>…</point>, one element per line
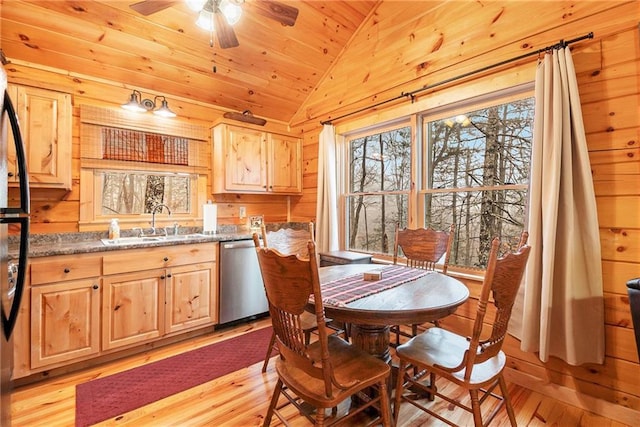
<point>440,348</point>
<point>349,364</point>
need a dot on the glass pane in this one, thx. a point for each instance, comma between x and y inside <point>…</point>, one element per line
<point>372,221</point>
<point>486,147</point>
<point>479,216</point>
<point>381,162</point>
<point>137,193</point>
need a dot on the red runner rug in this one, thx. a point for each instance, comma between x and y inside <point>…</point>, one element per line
<point>116,394</point>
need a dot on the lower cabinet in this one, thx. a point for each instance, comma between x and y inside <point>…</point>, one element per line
<point>65,321</point>
<point>132,311</point>
<point>189,297</point>
<point>84,306</point>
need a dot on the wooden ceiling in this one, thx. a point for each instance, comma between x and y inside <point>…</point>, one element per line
<point>271,73</point>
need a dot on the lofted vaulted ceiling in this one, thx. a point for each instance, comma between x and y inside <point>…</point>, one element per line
<point>271,73</point>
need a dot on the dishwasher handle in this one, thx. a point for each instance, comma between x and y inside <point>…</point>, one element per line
<point>240,244</point>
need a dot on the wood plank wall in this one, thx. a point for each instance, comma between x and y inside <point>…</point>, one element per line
<point>608,71</point>
<point>609,76</point>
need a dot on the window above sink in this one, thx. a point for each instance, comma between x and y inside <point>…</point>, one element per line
<point>156,162</point>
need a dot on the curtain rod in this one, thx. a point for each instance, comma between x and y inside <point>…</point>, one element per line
<point>411,95</point>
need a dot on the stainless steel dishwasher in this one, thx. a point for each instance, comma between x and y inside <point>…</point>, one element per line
<point>241,289</point>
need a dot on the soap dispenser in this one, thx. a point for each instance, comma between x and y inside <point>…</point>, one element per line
<point>114,229</point>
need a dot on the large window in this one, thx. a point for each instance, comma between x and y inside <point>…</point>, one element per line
<point>473,171</point>
<point>476,177</point>
<point>378,188</point>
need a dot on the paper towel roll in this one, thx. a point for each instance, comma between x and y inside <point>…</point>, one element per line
<point>209,218</point>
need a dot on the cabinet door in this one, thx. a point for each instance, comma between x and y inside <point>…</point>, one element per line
<point>191,296</point>
<point>45,123</point>
<point>245,160</point>
<point>131,308</point>
<point>64,321</point>
<point>285,164</point>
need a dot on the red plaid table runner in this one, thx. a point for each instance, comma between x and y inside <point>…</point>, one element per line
<point>341,292</point>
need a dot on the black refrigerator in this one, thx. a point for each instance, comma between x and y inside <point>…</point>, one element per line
<point>14,222</point>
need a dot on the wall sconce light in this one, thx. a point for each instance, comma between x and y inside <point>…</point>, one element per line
<point>139,105</point>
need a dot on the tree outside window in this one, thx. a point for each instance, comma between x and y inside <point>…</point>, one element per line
<point>379,182</point>
<point>477,177</point>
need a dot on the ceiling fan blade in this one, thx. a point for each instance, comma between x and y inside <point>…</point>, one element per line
<point>224,31</point>
<point>147,7</point>
<point>283,13</point>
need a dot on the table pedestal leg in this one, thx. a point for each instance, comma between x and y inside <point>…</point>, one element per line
<point>373,339</point>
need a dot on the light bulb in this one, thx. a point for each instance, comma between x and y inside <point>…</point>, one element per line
<point>195,5</point>
<point>205,20</point>
<point>231,11</point>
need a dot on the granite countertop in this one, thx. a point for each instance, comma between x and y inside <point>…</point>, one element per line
<point>41,245</point>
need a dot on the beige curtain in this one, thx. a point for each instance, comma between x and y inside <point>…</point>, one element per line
<point>563,299</point>
<point>327,197</point>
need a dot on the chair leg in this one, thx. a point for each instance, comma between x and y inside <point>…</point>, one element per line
<point>475,407</point>
<point>272,342</point>
<point>274,401</point>
<point>346,331</point>
<point>507,400</point>
<point>399,389</point>
<point>385,404</point>
<point>432,386</point>
<point>319,421</point>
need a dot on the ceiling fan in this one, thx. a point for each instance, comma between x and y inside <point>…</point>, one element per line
<point>219,16</point>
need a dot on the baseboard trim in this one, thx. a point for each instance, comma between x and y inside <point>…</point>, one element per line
<point>569,396</point>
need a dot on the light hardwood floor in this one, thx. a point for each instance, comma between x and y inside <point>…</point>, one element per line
<point>241,398</point>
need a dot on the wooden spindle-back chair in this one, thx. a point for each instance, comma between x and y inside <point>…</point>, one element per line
<point>289,241</point>
<point>424,248</point>
<point>474,363</point>
<point>326,372</point>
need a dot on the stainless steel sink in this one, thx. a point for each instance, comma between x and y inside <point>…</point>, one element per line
<point>149,239</point>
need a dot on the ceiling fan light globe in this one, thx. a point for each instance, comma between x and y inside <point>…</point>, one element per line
<point>195,5</point>
<point>205,20</point>
<point>231,11</point>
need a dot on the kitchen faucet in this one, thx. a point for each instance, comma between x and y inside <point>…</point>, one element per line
<point>155,209</point>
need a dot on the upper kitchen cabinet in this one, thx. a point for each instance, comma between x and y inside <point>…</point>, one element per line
<point>248,160</point>
<point>45,122</point>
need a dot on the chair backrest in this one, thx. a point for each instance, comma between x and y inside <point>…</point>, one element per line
<point>501,281</point>
<point>289,281</point>
<point>424,247</point>
<point>289,241</point>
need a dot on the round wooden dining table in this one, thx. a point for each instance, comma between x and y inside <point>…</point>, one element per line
<point>427,298</point>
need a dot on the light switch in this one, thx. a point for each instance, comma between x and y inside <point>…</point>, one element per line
<point>243,212</point>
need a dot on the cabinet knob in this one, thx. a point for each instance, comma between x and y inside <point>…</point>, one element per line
<point>10,174</point>
<point>162,277</point>
<point>95,286</point>
<point>67,270</point>
<point>166,259</point>
<point>169,275</point>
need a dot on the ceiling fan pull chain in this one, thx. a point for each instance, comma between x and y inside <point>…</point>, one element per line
<point>211,33</point>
